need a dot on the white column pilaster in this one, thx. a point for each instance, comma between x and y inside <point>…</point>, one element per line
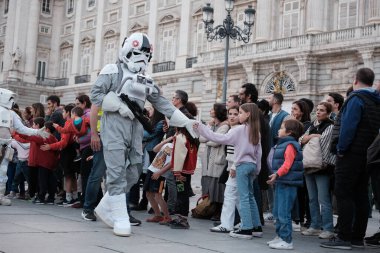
<point>184,38</point>
<point>9,36</point>
<point>263,20</point>
<point>367,56</point>
<point>77,45</point>
<point>98,40</point>
<point>220,14</point>
<point>32,37</point>
<point>124,24</point>
<point>152,32</point>
<point>374,11</point>
<point>54,58</point>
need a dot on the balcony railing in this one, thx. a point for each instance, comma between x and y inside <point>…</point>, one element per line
<point>191,61</point>
<point>163,66</point>
<point>306,42</point>
<point>82,79</point>
<point>52,82</point>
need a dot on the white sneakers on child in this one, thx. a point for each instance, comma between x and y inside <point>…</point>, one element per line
<point>268,217</point>
<point>311,232</point>
<point>5,201</point>
<point>326,235</point>
<point>274,240</point>
<point>280,244</point>
<point>296,226</point>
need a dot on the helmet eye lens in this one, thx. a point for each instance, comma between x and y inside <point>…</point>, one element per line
<point>136,53</point>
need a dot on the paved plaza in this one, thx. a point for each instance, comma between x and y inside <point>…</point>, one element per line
<point>29,228</point>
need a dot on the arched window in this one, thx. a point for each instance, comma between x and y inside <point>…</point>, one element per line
<point>280,82</point>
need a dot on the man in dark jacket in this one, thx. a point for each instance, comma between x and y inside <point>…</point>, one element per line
<point>356,127</point>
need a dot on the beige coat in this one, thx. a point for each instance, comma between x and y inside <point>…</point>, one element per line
<point>214,156</point>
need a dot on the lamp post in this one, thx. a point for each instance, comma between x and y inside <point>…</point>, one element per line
<point>227,30</point>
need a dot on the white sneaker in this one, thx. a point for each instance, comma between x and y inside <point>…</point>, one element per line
<point>4,201</point>
<point>274,240</point>
<point>281,245</point>
<point>11,195</point>
<point>296,227</point>
<point>326,235</point>
<point>311,231</point>
<point>220,229</point>
<point>268,217</point>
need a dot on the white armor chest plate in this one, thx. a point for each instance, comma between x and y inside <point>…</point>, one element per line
<point>136,86</point>
<point>5,117</point>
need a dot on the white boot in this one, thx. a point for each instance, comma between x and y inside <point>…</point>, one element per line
<point>5,201</point>
<point>103,210</point>
<point>119,212</point>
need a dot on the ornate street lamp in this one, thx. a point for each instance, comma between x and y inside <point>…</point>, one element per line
<point>228,30</point>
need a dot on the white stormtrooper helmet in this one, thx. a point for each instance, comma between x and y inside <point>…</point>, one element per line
<point>7,98</point>
<point>136,52</point>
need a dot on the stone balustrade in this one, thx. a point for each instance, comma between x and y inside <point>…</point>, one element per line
<point>308,42</point>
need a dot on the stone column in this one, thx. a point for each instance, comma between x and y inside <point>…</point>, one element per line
<point>9,36</point>
<point>76,42</point>
<point>99,40</point>
<point>32,37</point>
<point>220,14</point>
<point>124,23</point>
<point>367,56</point>
<point>263,20</point>
<point>153,27</point>
<point>55,50</point>
<point>374,11</point>
<point>315,16</point>
<point>307,75</point>
<point>184,38</point>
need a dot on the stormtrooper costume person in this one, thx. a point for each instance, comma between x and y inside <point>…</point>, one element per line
<point>121,131</point>
<point>10,120</point>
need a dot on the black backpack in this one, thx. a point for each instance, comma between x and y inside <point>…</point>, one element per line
<point>373,154</point>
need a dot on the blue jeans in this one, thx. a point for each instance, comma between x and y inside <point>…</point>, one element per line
<point>249,213</point>
<point>94,180</point>
<point>284,198</point>
<point>22,174</point>
<point>318,187</point>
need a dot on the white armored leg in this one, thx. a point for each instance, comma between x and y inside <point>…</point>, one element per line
<point>119,213</point>
<point>103,210</point>
<point>3,180</point>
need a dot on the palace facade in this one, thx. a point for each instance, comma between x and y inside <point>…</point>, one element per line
<point>306,48</point>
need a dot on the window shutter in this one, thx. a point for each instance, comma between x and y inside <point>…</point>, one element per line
<point>352,12</point>
<point>286,26</point>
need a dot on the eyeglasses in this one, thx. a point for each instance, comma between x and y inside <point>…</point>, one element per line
<point>175,98</point>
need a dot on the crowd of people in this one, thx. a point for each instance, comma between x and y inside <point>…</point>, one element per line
<point>259,163</point>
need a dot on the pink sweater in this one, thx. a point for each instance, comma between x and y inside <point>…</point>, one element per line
<point>238,137</point>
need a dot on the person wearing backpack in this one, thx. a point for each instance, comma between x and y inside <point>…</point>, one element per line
<point>356,127</point>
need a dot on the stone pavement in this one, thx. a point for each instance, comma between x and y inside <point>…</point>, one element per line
<point>29,228</point>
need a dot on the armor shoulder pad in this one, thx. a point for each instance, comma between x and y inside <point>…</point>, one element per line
<point>109,69</point>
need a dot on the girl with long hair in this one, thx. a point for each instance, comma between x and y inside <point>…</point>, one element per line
<point>248,164</point>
